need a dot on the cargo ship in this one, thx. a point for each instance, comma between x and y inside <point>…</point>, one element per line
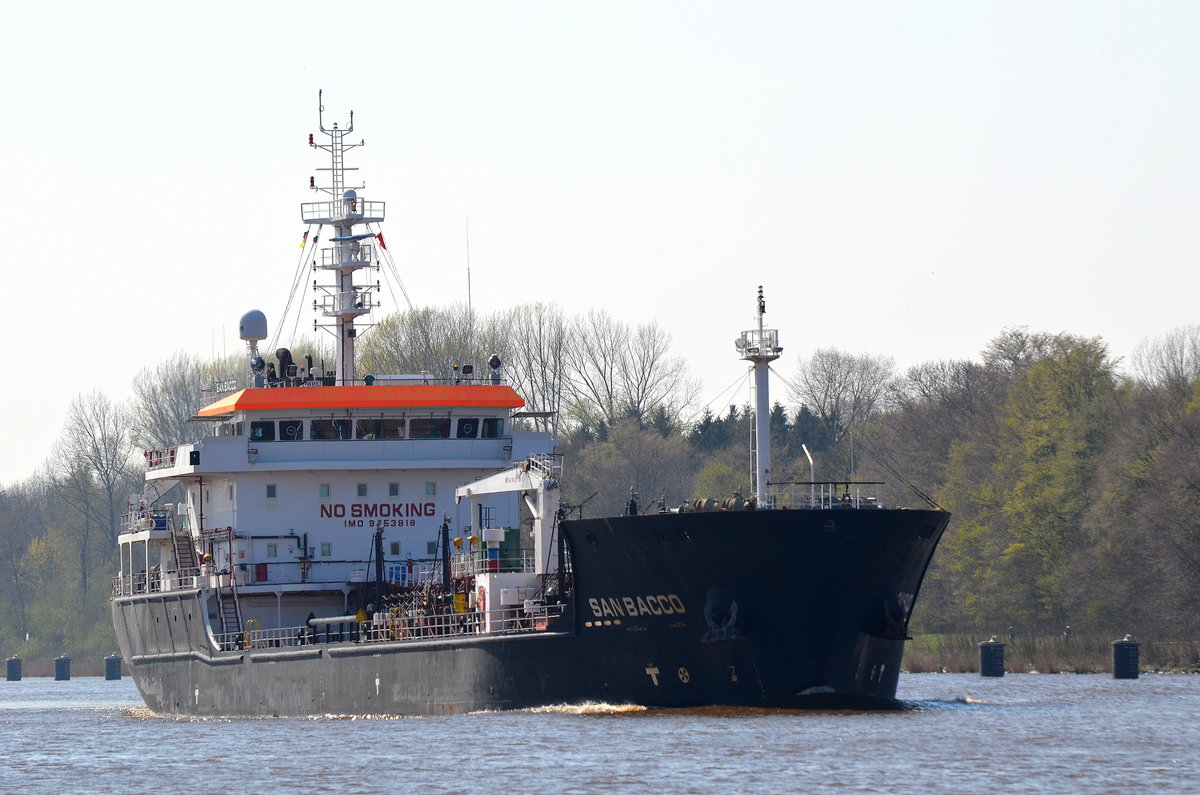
<point>397,545</point>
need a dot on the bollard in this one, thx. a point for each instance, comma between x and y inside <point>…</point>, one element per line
<point>62,668</point>
<point>112,667</point>
<point>1125,658</point>
<point>991,658</point>
<point>14,669</point>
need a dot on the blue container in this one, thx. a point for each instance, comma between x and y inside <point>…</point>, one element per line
<point>62,668</point>
<point>991,658</point>
<point>112,667</point>
<point>1125,658</point>
<point>14,669</point>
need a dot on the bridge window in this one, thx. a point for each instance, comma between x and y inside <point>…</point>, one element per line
<point>468,428</point>
<point>379,429</point>
<point>325,430</point>
<point>492,428</point>
<point>291,430</point>
<point>430,428</point>
<point>262,431</point>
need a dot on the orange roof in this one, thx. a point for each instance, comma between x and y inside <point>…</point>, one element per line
<point>364,397</point>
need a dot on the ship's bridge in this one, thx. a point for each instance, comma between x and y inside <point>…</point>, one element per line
<point>424,426</point>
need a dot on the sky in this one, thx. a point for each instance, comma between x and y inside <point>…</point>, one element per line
<point>905,179</point>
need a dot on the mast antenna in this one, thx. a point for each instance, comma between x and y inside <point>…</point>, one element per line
<point>761,347</point>
<point>469,310</point>
<point>321,115</point>
<point>341,299</point>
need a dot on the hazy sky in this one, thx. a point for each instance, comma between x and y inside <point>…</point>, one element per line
<point>905,179</point>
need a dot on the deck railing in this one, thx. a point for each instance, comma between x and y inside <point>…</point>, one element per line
<point>318,572</point>
<point>387,627</point>
<point>827,495</point>
<point>465,564</point>
<point>155,581</point>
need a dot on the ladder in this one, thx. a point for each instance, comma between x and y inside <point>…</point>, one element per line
<point>185,552</point>
<point>231,615</point>
<point>338,167</point>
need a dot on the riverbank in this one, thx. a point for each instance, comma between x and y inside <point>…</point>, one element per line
<point>960,654</point>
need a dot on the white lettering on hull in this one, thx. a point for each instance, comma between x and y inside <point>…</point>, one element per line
<point>634,606</point>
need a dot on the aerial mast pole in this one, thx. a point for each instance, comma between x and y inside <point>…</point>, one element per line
<point>761,347</point>
<point>341,299</point>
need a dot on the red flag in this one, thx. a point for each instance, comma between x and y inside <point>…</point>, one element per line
<point>304,242</point>
<point>379,237</point>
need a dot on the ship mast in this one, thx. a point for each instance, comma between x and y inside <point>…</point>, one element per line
<point>340,298</point>
<point>761,347</point>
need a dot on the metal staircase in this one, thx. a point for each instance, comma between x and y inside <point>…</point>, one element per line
<point>185,552</point>
<point>230,611</point>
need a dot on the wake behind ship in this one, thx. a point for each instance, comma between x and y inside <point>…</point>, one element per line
<point>396,545</point>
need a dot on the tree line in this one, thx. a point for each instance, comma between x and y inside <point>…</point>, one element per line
<point>1074,483</point>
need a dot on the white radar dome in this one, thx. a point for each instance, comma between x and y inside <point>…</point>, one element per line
<point>253,326</point>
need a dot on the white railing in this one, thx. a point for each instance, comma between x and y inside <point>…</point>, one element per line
<point>827,495</point>
<point>388,627</point>
<point>338,208</point>
<point>341,258</point>
<point>761,342</point>
<point>160,459</point>
<point>135,520</point>
<point>402,572</point>
<point>347,303</point>
<point>156,581</point>
<point>464,564</point>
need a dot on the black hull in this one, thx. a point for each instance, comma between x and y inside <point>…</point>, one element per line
<point>760,609</point>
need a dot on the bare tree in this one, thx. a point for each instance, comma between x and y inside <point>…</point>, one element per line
<point>96,437</point>
<point>843,389</point>
<point>428,339</point>
<point>533,340</point>
<point>79,508</point>
<point>1172,361</point>
<point>653,379</point>
<point>594,368</point>
<point>617,372</point>
<point>20,523</point>
<point>598,344</point>
<point>165,396</point>
<point>1015,349</point>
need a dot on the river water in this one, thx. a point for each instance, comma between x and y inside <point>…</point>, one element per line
<point>963,734</point>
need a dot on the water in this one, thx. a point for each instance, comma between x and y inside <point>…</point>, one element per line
<point>964,734</point>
